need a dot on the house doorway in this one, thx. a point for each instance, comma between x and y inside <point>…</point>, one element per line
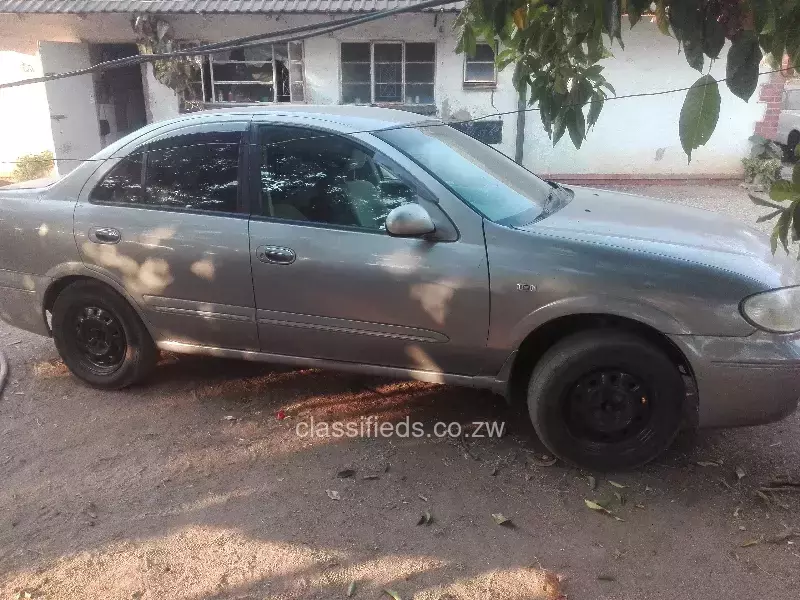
<point>119,93</point>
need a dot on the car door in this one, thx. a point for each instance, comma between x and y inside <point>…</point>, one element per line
<point>166,220</point>
<point>331,283</point>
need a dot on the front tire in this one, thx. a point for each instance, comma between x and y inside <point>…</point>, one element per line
<point>100,337</point>
<point>606,400</point>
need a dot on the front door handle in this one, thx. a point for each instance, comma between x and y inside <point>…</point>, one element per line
<point>277,255</point>
<point>104,235</point>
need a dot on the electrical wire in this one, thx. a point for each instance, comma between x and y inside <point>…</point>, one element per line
<point>286,35</point>
<point>433,123</point>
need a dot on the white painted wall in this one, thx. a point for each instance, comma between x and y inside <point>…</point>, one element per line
<point>24,114</point>
<point>636,137</point>
<point>630,132</point>
<point>73,108</point>
<point>160,101</point>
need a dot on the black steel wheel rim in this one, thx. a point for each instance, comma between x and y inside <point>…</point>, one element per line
<point>99,338</point>
<point>608,406</point>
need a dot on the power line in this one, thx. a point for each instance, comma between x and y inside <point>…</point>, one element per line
<point>426,124</point>
<point>287,35</point>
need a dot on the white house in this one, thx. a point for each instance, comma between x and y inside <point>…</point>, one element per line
<point>406,61</point>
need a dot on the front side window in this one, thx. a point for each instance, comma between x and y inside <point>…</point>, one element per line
<point>479,70</point>
<point>388,72</point>
<point>312,176</point>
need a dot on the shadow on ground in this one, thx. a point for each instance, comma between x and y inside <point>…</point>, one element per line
<point>193,487</point>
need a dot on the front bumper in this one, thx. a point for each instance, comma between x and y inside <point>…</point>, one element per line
<point>744,380</point>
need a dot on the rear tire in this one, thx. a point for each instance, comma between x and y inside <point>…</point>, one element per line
<point>606,400</point>
<point>100,337</point>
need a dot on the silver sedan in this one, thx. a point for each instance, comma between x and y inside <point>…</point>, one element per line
<point>381,242</point>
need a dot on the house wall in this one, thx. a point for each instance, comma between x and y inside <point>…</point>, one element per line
<point>24,114</point>
<point>635,137</point>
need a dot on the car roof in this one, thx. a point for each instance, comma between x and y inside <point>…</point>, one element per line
<point>345,117</point>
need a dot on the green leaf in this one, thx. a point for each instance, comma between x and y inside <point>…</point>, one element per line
<point>783,190</point>
<point>560,125</point>
<point>773,244</point>
<point>577,127</point>
<point>468,41</point>
<point>758,200</point>
<point>617,485</point>
<point>595,506</point>
<point>501,519</point>
<point>796,173</point>
<point>661,17</point>
<point>795,209</point>
<point>713,36</point>
<point>699,114</point>
<point>351,589</point>
<point>594,109</point>
<point>693,49</point>
<point>544,112</point>
<point>782,229</point>
<point>612,19</point>
<point>769,216</point>
<point>392,593</point>
<point>609,87</point>
<point>742,66</point>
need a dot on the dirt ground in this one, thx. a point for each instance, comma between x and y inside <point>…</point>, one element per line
<point>192,487</point>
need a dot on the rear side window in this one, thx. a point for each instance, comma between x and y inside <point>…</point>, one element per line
<point>196,171</point>
<point>122,184</point>
<point>197,177</point>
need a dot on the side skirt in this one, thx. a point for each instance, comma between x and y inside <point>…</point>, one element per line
<point>480,382</point>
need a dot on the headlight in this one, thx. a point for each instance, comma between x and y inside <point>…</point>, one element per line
<point>777,310</point>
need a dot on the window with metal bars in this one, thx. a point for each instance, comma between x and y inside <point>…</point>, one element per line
<point>265,73</point>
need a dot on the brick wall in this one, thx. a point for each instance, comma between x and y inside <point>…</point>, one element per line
<point>771,94</point>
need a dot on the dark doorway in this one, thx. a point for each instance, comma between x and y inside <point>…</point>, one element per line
<point>118,92</point>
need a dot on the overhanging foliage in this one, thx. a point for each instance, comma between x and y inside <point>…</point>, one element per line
<point>557,45</point>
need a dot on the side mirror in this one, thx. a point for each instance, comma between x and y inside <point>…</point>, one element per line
<point>409,220</point>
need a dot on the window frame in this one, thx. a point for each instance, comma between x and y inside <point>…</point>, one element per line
<point>403,64</point>
<point>242,193</point>
<point>478,83</point>
<point>258,203</point>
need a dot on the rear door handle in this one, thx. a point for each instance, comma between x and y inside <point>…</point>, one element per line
<point>277,255</point>
<point>105,235</point>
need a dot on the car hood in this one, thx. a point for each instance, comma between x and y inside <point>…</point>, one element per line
<point>655,226</point>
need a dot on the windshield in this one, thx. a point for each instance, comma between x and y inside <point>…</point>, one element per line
<point>487,180</point>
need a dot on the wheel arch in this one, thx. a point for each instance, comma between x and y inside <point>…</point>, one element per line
<point>546,335</point>
<point>60,282</point>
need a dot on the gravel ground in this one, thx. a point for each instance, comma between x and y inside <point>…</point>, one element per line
<point>192,487</point>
